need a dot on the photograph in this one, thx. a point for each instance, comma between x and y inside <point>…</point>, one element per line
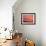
<point>28,18</point>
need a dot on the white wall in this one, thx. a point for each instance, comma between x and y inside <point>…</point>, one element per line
<point>30,31</point>
<point>6,13</point>
<point>43,22</point>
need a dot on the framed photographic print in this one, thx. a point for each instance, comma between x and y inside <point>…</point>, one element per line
<point>28,18</point>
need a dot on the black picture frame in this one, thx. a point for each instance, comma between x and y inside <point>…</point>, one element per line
<point>28,18</point>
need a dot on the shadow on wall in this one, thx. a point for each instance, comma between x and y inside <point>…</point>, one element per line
<point>17,15</point>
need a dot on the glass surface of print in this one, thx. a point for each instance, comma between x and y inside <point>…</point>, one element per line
<point>28,18</point>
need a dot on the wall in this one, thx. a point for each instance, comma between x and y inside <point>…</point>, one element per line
<point>43,22</point>
<point>6,13</point>
<point>29,31</point>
